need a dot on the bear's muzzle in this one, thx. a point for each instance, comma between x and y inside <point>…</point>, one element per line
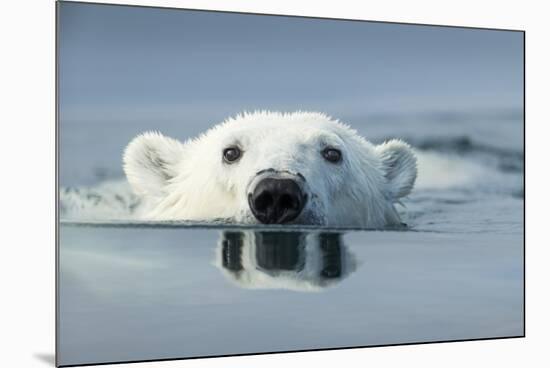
<point>277,198</point>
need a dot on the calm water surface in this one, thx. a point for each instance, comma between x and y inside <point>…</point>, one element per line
<point>131,292</point>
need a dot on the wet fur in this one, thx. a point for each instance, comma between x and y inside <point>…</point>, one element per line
<point>190,181</point>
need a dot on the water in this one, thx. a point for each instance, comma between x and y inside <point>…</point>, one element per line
<point>131,293</point>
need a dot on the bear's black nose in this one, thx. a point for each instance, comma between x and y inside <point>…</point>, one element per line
<point>276,200</point>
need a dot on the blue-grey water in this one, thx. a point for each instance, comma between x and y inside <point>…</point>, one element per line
<point>148,293</point>
<point>129,290</point>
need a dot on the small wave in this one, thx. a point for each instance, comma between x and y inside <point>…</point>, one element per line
<point>442,171</point>
<point>464,145</point>
<point>108,200</point>
<point>502,159</point>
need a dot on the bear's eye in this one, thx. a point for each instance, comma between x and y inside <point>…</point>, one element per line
<point>332,155</point>
<point>231,154</point>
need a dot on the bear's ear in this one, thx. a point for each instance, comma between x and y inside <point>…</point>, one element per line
<point>150,161</point>
<point>399,167</point>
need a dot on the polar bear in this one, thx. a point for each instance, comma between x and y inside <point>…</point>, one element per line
<point>302,168</point>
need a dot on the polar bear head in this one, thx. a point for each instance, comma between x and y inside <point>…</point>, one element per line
<point>272,168</point>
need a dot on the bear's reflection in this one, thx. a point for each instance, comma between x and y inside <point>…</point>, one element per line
<point>284,260</point>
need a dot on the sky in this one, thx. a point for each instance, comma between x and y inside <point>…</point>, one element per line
<point>122,63</point>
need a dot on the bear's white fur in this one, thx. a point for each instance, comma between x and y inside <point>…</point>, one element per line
<point>191,181</point>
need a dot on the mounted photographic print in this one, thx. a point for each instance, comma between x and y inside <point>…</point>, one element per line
<point>233,183</point>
